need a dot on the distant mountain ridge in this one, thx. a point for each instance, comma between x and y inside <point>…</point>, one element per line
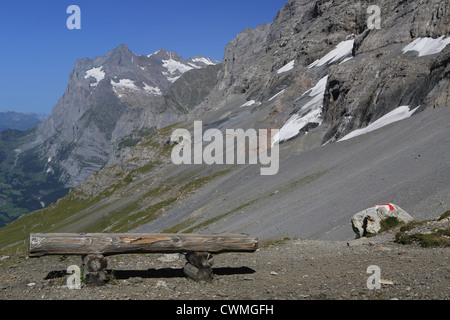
<point>20,120</point>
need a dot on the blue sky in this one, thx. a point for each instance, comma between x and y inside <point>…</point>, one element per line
<point>38,51</point>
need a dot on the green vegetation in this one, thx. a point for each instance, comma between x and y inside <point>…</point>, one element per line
<point>144,216</point>
<point>147,167</point>
<point>25,179</point>
<point>439,238</point>
<point>128,200</point>
<point>135,137</point>
<point>444,215</point>
<point>154,137</point>
<point>411,225</point>
<point>199,182</point>
<point>95,213</point>
<point>436,238</point>
<point>14,237</point>
<point>181,226</point>
<point>159,141</point>
<point>389,223</point>
<point>385,225</point>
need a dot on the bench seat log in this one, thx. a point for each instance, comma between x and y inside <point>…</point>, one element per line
<point>128,243</point>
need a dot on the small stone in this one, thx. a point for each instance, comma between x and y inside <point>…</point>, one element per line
<point>161,283</point>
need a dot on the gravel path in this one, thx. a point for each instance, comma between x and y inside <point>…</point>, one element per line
<point>287,270</point>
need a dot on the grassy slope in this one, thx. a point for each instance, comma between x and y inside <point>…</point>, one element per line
<point>25,180</point>
<point>134,198</point>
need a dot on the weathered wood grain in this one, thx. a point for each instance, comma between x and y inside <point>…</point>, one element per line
<point>114,244</point>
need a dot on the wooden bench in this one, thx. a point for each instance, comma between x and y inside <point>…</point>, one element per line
<point>95,247</point>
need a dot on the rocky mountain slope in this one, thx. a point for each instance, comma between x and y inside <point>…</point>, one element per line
<point>369,72</point>
<point>110,103</point>
<point>318,73</point>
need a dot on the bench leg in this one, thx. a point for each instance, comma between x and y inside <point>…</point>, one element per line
<point>199,266</point>
<point>94,267</point>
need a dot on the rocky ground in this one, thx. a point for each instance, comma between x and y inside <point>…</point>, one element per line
<point>285,270</point>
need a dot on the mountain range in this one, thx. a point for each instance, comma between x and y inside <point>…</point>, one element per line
<point>362,114</point>
<point>109,104</point>
<point>21,121</point>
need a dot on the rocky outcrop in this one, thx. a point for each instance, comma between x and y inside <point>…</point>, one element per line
<point>381,76</point>
<point>373,78</point>
<point>369,221</point>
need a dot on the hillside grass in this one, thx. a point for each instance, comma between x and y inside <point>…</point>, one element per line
<point>77,206</point>
<point>437,238</point>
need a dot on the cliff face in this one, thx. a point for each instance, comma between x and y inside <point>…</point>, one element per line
<point>369,72</point>
<point>111,102</point>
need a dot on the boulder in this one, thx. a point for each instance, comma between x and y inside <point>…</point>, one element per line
<point>369,220</point>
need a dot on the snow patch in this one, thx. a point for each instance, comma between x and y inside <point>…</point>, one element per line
<point>427,46</point>
<point>279,93</point>
<point>151,54</point>
<point>287,67</point>
<point>153,90</point>
<point>173,79</point>
<point>398,114</point>
<point>295,123</point>
<point>311,112</point>
<point>342,50</point>
<point>193,65</point>
<point>345,60</point>
<point>172,66</point>
<point>249,103</point>
<point>125,84</point>
<point>95,73</point>
<point>204,60</point>
<point>318,89</point>
<point>119,95</point>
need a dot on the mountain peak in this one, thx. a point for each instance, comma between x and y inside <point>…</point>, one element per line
<point>123,46</point>
<point>122,50</point>
<point>161,53</point>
